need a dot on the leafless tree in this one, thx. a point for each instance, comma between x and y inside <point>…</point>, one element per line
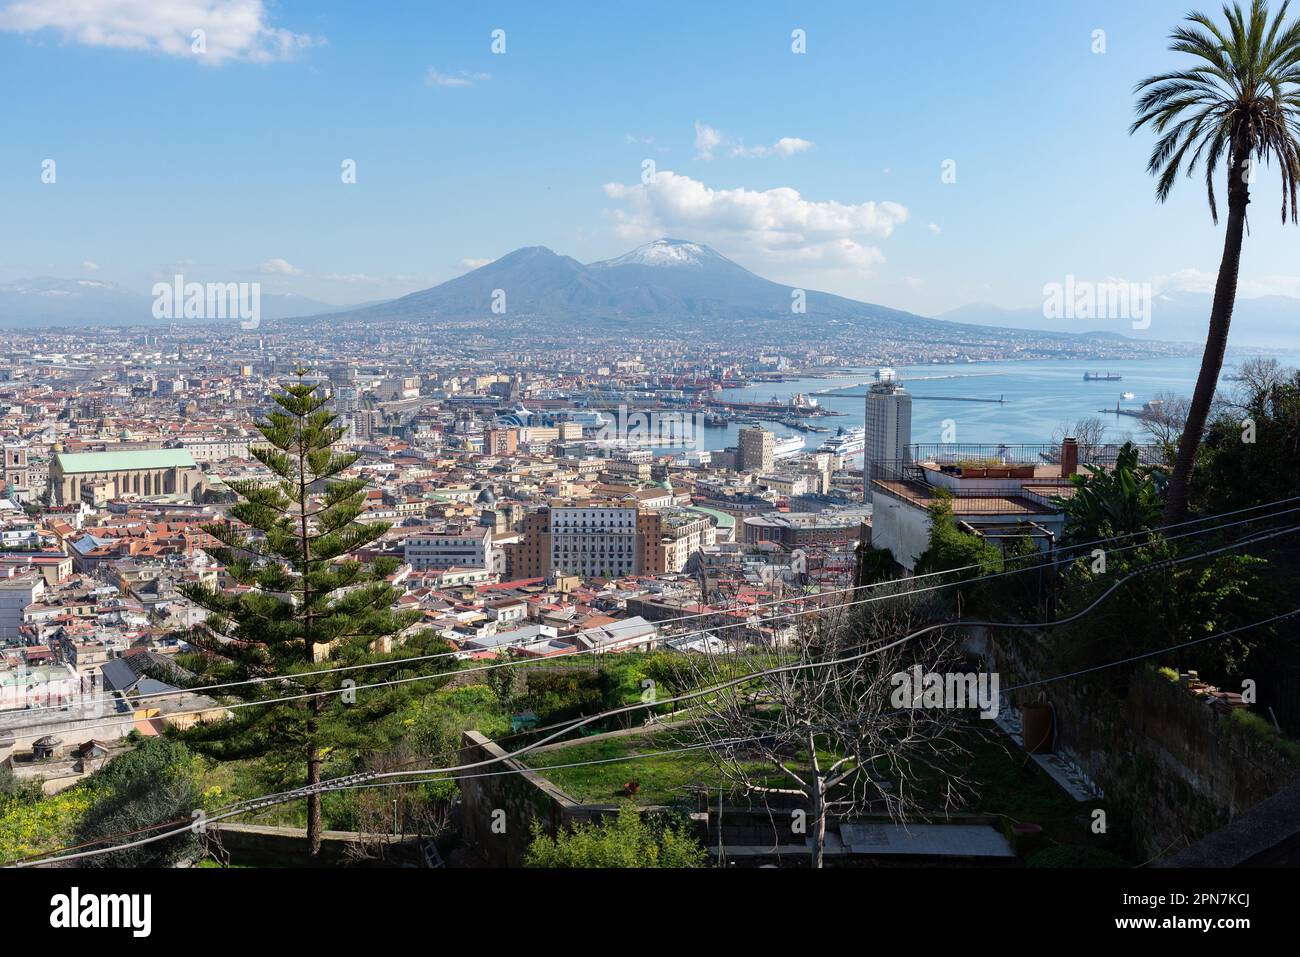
<point>1164,418</point>
<point>1088,432</point>
<point>1254,377</point>
<point>381,812</point>
<point>820,722</point>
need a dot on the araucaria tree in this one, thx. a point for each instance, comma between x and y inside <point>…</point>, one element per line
<point>298,606</point>
<point>1237,104</point>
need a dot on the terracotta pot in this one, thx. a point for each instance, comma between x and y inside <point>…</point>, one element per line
<point>1037,722</point>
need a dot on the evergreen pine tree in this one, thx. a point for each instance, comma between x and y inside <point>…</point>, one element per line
<point>298,602</point>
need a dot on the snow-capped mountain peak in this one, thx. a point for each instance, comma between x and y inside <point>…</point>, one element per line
<point>665,252</point>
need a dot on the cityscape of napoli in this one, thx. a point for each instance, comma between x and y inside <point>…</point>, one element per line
<point>507,438</point>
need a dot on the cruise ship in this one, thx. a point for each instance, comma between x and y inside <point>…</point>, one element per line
<point>786,446</point>
<point>845,442</point>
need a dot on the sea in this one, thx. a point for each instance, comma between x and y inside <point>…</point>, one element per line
<point>1018,403</point>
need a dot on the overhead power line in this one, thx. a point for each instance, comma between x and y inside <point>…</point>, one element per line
<point>347,781</point>
<point>1036,566</point>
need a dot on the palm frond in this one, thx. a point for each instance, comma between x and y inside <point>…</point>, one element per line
<point>1238,104</point>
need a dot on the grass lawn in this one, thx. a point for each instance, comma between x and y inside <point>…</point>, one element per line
<point>664,780</point>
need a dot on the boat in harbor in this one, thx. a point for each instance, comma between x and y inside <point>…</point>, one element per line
<point>1102,377</point>
<point>845,442</point>
<point>786,446</point>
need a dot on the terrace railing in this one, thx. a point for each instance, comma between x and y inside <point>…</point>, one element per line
<point>970,458</point>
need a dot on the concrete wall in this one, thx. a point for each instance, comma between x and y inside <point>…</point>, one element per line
<point>74,731</point>
<point>1171,764</point>
<point>902,529</point>
<point>256,845</point>
<point>499,810</point>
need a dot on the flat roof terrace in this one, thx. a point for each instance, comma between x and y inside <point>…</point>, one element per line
<point>967,502</point>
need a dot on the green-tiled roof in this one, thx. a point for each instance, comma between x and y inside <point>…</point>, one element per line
<point>80,462</point>
<point>723,519</point>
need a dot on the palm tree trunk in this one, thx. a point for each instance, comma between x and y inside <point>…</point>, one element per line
<point>1216,343</point>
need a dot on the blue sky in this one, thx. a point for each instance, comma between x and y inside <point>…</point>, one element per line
<point>824,169</point>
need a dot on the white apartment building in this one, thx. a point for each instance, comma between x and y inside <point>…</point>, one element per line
<point>396,388</point>
<point>472,548</point>
<point>215,449</point>
<point>594,540</point>
<point>17,591</point>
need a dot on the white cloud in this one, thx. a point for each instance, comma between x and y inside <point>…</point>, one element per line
<point>474,263</point>
<point>1185,280</point>
<point>633,140</point>
<point>785,147</point>
<point>279,267</point>
<point>353,278</point>
<point>435,77</point>
<point>232,29</point>
<point>934,228</point>
<point>1199,281</point>
<point>774,225</point>
<point>90,266</point>
<point>707,139</point>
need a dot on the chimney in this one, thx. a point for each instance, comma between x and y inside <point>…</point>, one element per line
<point>1069,457</point>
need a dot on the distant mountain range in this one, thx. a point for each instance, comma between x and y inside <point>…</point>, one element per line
<point>665,285</point>
<point>1176,316</point>
<point>58,302</point>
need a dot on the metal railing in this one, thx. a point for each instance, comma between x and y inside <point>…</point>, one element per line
<point>1098,453</point>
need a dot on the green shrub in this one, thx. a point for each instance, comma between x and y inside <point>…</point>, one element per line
<point>12,787</point>
<point>628,840</point>
<point>38,826</point>
<point>154,785</point>
<point>1251,723</point>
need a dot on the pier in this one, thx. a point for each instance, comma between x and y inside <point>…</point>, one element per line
<point>849,389</point>
<point>1000,400</point>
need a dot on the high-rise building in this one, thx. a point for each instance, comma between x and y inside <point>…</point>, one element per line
<point>501,441</point>
<point>347,399</point>
<point>888,425</point>
<point>366,423</point>
<point>757,451</point>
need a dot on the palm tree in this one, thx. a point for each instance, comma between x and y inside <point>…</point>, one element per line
<point>1239,104</point>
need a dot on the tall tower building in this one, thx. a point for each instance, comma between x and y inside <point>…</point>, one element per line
<point>16,484</point>
<point>888,426</point>
<point>757,451</point>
